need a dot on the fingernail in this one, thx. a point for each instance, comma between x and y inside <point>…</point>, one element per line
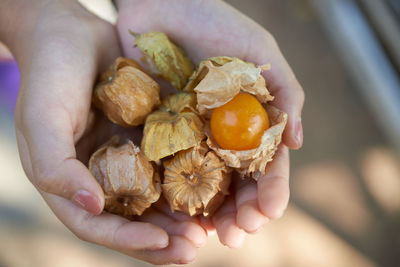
<point>211,232</point>
<point>257,230</point>
<point>87,201</point>
<point>279,214</point>
<point>299,133</point>
<point>236,244</point>
<point>260,227</point>
<point>160,245</point>
<point>163,244</point>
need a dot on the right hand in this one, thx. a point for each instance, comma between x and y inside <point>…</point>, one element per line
<point>213,28</point>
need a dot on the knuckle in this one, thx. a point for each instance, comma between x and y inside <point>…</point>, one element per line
<point>44,178</point>
<point>43,182</point>
<point>270,39</point>
<point>79,231</point>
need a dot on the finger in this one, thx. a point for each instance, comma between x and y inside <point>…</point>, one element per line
<point>140,240</point>
<point>109,230</point>
<point>207,225</point>
<point>224,219</point>
<point>273,188</point>
<point>179,251</point>
<point>187,229</point>
<point>249,217</point>
<point>162,206</point>
<point>283,85</point>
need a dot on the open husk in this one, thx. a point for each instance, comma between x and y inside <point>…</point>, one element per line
<point>196,181</point>
<point>125,93</point>
<point>218,80</point>
<point>175,126</point>
<point>253,162</point>
<point>130,182</point>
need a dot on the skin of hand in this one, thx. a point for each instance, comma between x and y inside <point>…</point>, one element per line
<point>60,49</point>
<point>213,28</point>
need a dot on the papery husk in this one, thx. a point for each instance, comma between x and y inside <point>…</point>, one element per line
<point>175,126</point>
<point>217,80</point>
<point>164,58</point>
<point>253,162</point>
<point>130,182</point>
<point>196,181</point>
<point>125,93</point>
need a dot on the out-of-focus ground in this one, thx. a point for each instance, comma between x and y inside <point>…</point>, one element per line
<point>345,181</point>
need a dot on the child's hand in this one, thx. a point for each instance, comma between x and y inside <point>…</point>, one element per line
<point>212,28</point>
<point>60,48</point>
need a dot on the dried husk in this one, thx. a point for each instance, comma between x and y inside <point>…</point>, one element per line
<point>175,126</point>
<point>219,79</point>
<point>130,182</point>
<point>125,93</point>
<point>196,181</point>
<point>252,163</point>
<point>164,58</point>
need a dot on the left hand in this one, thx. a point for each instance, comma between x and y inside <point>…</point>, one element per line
<point>213,28</point>
<point>60,49</point>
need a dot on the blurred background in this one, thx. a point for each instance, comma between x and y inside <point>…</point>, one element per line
<point>345,181</point>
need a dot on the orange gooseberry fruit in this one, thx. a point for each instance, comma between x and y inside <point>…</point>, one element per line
<point>240,123</point>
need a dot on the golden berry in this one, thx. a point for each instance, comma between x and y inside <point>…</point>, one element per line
<point>240,123</point>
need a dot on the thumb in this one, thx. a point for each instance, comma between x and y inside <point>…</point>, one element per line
<point>48,156</point>
<point>51,114</point>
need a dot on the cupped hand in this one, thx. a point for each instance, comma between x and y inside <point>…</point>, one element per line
<point>60,48</point>
<point>213,28</point>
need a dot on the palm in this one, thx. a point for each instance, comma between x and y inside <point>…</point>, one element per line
<point>98,131</point>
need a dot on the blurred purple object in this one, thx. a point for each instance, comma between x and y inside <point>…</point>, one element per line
<point>9,84</point>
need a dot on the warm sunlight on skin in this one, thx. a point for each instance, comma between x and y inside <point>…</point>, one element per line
<point>240,123</point>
